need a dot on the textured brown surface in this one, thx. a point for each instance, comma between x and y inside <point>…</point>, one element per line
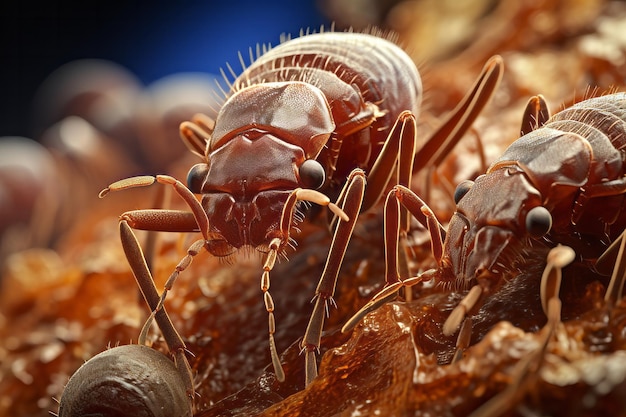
<point>61,306</point>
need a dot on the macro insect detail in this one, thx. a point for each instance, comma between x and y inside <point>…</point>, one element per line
<point>134,379</point>
<point>562,183</point>
<point>308,121</point>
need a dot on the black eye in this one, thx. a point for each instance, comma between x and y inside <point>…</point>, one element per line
<point>312,174</point>
<point>196,176</point>
<point>538,221</point>
<point>462,189</point>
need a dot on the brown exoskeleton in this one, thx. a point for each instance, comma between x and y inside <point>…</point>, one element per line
<point>310,120</point>
<point>562,182</point>
<point>558,190</point>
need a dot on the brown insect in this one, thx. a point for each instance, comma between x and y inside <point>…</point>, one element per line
<point>309,121</point>
<point>562,183</point>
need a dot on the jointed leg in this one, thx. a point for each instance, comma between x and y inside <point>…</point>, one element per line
<point>432,152</point>
<point>269,306</point>
<point>161,220</point>
<point>197,133</point>
<point>193,250</point>
<point>351,204</point>
<point>558,258</point>
<point>276,245</point>
<point>463,340</point>
<point>145,282</point>
<point>268,265</point>
<point>396,153</point>
<point>536,114</point>
<point>403,196</point>
<point>441,142</point>
<point>616,286</point>
<point>166,220</point>
<point>456,318</point>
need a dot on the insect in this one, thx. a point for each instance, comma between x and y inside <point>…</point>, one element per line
<point>308,121</point>
<point>562,183</point>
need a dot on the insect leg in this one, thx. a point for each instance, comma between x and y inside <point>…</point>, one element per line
<point>144,279</point>
<point>433,151</point>
<point>603,189</point>
<point>147,180</point>
<point>399,147</point>
<point>397,198</point>
<point>192,251</point>
<point>463,339</point>
<point>397,152</point>
<point>126,183</point>
<point>161,220</point>
<point>536,114</point>
<point>274,247</point>
<point>351,204</point>
<point>616,285</point>
<point>269,305</point>
<point>196,133</point>
<point>523,373</point>
<point>557,258</point>
<point>166,220</point>
<point>394,279</point>
<point>441,142</point>
<point>456,318</point>
<point>205,122</point>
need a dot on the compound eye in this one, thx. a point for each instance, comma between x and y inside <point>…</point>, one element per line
<point>312,174</point>
<point>538,222</point>
<point>196,176</point>
<point>462,189</point>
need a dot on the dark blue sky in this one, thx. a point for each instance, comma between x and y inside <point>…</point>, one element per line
<point>151,38</point>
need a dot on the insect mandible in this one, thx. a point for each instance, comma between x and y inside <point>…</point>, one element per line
<point>309,120</point>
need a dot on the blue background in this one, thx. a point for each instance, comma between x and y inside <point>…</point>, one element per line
<point>151,38</point>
